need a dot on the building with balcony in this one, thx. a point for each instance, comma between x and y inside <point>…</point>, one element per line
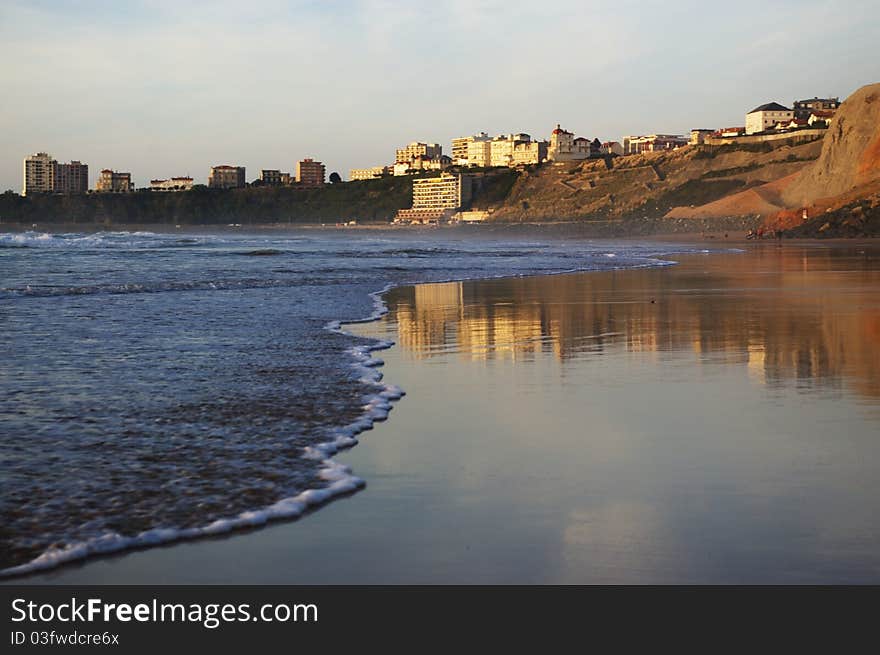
<point>227,177</point>
<point>460,148</point>
<point>437,198</point>
<point>112,182</point>
<point>310,172</point>
<point>72,177</point>
<point>38,174</point>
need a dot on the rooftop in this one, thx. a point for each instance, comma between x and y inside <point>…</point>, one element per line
<point>770,106</point>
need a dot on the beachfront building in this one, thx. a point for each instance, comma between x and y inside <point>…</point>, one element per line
<point>72,177</point>
<point>110,181</point>
<point>310,172</point>
<point>436,198</point>
<point>699,135</point>
<point>803,108</point>
<point>766,116</point>
<point>226,177</point>
<point>172,184</point>
<point>369,173</point>
<point>529,152</point>
<point>634,144</point>
<point>461,145</point>
<point>38,174</point>
<point>417,149</point>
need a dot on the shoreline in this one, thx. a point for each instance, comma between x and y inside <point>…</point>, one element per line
<point>362,355</point>
<point>557,229</point>
<point>342,480</point>
<point>335,544</point>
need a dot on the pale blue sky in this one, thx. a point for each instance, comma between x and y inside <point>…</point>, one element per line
<point>170,88</point>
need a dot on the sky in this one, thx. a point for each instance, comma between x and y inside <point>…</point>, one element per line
<point>164,89</point>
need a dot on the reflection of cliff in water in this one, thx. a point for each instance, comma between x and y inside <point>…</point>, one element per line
<point>797,313</point>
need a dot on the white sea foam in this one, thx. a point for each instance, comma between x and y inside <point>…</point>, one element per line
<point>341,480</point>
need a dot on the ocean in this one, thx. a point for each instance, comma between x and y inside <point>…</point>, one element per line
<point>158,387</point>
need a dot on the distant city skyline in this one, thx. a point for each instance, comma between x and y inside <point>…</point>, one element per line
<point>164,89</point>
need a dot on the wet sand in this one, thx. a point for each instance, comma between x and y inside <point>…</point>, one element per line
<point>717,421</point>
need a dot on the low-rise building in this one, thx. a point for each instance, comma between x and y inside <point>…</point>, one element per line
<point>822,117</point>
<point>369,173</point>
<point>310,172</point>
<point>729,132</point>
<point>270,177</point>
<point>184,183</point>
<point>227,177</point>
<point>803,108</point>
<point>612,148</point>
<point>417,149</point>
<point>110,181</point>
<point>436,198</point>
<point>699,135</point>
<point>526,153</point>
<point>633,144</point>
<point>766,116</point>
<point>564,146</point>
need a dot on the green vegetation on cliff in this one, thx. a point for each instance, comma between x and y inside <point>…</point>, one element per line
<point>367,200</point>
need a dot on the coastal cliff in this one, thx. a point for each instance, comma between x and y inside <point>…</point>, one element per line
<point>836,195</point>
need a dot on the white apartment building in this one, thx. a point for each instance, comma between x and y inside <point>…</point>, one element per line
<point>529,152</point>
<point>38,174</point>
<point>417,149</point>
<point>460,147</point>
<point>766,116</point>
<point>437,197</point>
<point>479,152</point>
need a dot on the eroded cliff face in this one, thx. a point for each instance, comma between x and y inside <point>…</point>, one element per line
<point>850,156</point>
<point>629,189</point>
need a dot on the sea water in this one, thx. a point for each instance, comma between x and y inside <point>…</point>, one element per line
<point>158,387</point>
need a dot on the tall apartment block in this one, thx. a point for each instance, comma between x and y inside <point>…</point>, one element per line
<point>113,182</point>
<point>42,174</point>
<point>310,172</point>
<point>38,174</point>
<point>72,177</point>
<point>436,198</point>
<point>226,177</point>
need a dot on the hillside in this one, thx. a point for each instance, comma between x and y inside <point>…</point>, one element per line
<point>634,191</point>
<point>839,191</point>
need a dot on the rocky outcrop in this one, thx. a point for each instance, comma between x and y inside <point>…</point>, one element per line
<point>850,156</point>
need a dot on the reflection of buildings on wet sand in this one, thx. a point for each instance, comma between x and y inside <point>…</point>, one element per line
<point>785,315</point>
